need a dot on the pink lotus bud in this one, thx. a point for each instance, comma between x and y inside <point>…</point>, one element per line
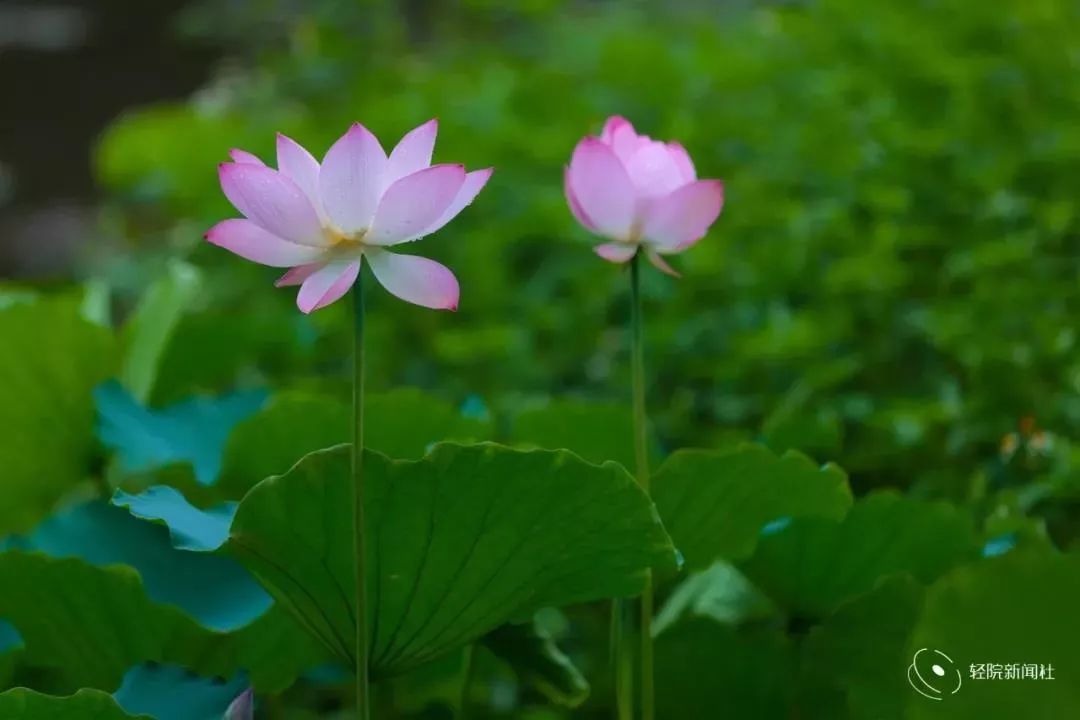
<point>639,192</point>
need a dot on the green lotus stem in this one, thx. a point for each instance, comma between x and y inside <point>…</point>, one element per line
<point>363,694</point>
<point>468,669</point>
<point>641,456</point>
<point>622,657</point>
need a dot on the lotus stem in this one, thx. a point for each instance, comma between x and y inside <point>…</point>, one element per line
<point>641,456</point>
<point>363,691</point>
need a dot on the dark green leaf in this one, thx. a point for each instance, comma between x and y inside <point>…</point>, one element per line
<point>216,591</point>
<point>715,503</point>
<point>812,565</point>
<point>67,611</point>
<point>597,432</point>
<point>23,704</point>
<point>1008,610</point>
<point>539,662</point>
<point>854,663</point>
<point>706,669</point>
<point>401,424</point>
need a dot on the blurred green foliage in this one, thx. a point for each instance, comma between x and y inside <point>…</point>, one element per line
<point>892,283</point>
<point>892,286</point>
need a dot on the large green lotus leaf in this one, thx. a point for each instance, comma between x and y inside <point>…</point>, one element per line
<point>403,424</point>
<point>715,503</point>
<point>460,541</point>
<point>23,704</point>
<point>67,610</point>
<point>1019,609</point>
<point>193,431</point>
<point>528,648</point>
<point>596,431</point>
<point>50,360</point>
<point>811,565</point>
<point>706,669</point>
<point>168,692</point>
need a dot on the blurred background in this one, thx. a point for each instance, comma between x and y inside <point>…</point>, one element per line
<point>893,285</point>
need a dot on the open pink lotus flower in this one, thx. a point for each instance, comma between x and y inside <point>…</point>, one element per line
<point>639,192</point>
<point>323,220</point>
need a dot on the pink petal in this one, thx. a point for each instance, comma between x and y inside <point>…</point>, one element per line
<point>351,179</point>
<point>625,142</point>
<point>616,252</point>
<point>601,188</point>
<point>415,279</point>
<point>615,123</point>
<point>297,275</point>
<point>660,264</point>
<point>414,151</point>
<point>272,201</point>
<point>297,164</point>
<point>653,170</point>
<point>682,161</point>
<point>413,203</point>
<point>676,221</point>
<point>326,285</point>
<point>474,183</point>
<point>575,206</point>
<point>251,242</point>
<point>243,156</point>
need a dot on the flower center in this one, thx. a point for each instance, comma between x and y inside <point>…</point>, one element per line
<point>338,237</point>
<point>345,244</point>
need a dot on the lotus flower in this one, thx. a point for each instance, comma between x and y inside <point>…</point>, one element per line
<point>639,192</point>
<point>322,221</point>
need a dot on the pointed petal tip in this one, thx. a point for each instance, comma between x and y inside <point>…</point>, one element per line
<point>660,264</point>
<point>716,186</point>
<point>618,253</point>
